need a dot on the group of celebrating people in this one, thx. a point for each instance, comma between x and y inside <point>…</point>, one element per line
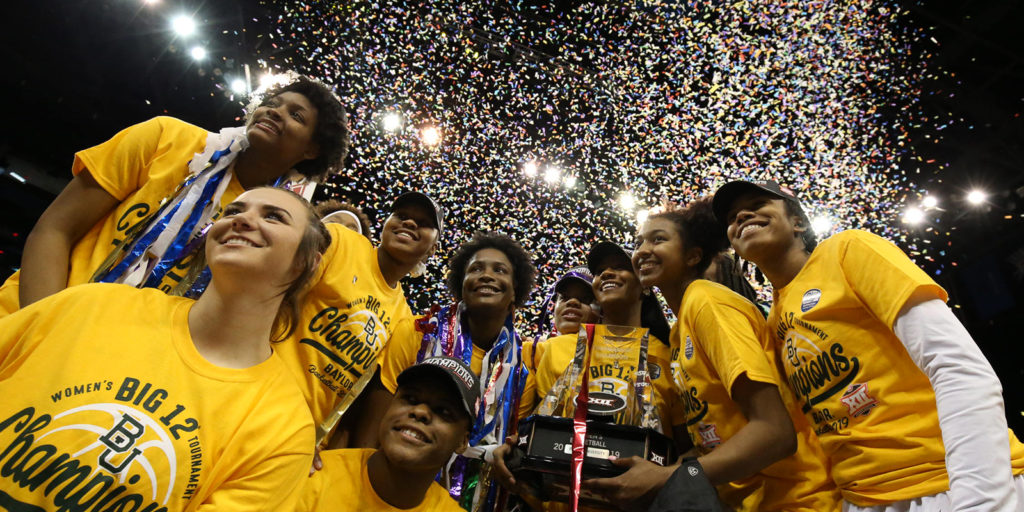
<point>186,334</point>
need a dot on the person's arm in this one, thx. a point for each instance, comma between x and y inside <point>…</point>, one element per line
<point>46,258</point>
<point>359,425</point>
<point>969,401</point>
<point>767,437</point>
<point>275,483</point>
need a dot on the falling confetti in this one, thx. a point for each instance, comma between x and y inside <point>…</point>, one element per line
<point>663,100</point>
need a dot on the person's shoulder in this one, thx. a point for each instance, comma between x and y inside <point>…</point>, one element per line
<point>708,294</point>
<point>438,499</point>
<point>852,236</point>
<point>346,240</point>
<point>173,123</point>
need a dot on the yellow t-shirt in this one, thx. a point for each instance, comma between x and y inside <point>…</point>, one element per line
<point>344,484</point>
<point>555,355</point>
<point>717,338</point>
<point>105,380</point>
<point>401,355</point>
<point>347,318</point>
<point>140,166</point>
<point>872,407</point>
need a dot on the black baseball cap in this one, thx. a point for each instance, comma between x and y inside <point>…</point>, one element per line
<point>602,250</point>
<point>450,369</point>
<point>728,193</point>
<point>424,200</point>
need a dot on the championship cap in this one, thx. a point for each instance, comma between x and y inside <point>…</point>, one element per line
<point>435,369</point>
<point>419,198</point>
<point>581,274</point>
<point>728,193</point>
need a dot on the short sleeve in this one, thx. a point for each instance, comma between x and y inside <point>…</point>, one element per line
<point>120,165</point>
<point>730,339</point>
<point>400,353</point>
<point>881,275</point>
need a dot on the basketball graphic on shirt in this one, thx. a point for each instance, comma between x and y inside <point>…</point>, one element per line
<point>119,440</point>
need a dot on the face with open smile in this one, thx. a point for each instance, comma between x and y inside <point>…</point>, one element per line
<point>424,424</point>
<point>574,305</point>
<point>409,233</point>
<point>659,258</point>
<point>488,285</point>
<point>759,227</point>
<point>284,127</point>
<point>258,234</point>
<point>615,284</point>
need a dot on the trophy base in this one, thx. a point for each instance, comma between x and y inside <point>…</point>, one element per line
<point>542,457</point>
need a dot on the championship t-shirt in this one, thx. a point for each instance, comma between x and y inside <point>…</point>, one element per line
<point>107,405</point>
<point>344,484</point>
<point>613,378</point>
<point>347,318</point>
<point>140,166</point>
<point>872,407</point>
<point>718,338</point>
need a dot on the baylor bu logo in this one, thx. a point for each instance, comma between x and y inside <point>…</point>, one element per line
<point>116,439</point>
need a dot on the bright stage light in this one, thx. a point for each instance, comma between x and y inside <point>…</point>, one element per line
<point>929,202</point>
<point>627,201</point>
<point>821,225</point>
<point>183,25</point>
<point>392,122</point>
<point>552,173</point>
<point>431,136</point>
<point>238,86</point>
<point>569,182</point>
<point>530,168</point>
<point>913,215</point>
<point>976,197</point>
<point>198,52</point>
<point>641,216</point>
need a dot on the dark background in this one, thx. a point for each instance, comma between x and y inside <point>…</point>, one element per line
<point>75,72</point>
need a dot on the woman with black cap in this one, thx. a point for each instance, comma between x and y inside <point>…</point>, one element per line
<point>356,307</point>
<point>742,430</point>
<point>902,400</point>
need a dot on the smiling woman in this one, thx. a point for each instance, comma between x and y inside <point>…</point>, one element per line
<point>180,391</point>
<point>489,276</point>
<point>139,202</point>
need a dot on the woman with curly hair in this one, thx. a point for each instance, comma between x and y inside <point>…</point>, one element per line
<point>489,277</point>
<point>139,203</point>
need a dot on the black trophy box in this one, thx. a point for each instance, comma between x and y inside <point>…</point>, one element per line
<point>542,458</point>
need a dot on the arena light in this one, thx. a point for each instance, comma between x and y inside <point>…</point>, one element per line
<point>976,197</point>
<point>530,168</point>
<point>930,202</point>
<point>183,25</point>
<point>430,136</point>
<point>238,86</point>
<point>198,52</point>
<point>913,216</point>
<point>552,174</point>
<point>821,224</point>
<point>627,201</point>
<point>569,182</point>
<point>391,122</point>
<point>642,215</point>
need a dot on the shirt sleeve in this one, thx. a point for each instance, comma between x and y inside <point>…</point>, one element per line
<point>731,341</point>
<point>882,276</point>
<point>121,164</point>
<point>969,401</point>
<point>400,353</point>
